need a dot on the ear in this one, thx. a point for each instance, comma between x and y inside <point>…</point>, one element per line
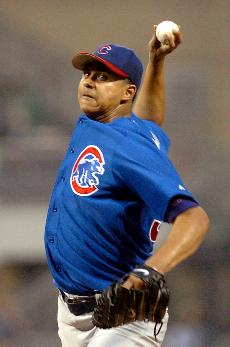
<point>129,93</point>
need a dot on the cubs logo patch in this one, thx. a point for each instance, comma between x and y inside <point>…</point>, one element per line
<point>84,178</point>
<point>154,230</point>
<point>104,49</point>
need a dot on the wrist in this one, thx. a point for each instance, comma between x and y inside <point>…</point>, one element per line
<point>156,59</point>
<point>156,65</point>
<point>147,267</point>
<point>155,267</point>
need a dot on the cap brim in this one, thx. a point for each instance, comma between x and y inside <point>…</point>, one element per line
<point>80,60</point>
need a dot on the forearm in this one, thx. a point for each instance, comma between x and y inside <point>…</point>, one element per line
<point>150,103</point>
<point>188,231</point>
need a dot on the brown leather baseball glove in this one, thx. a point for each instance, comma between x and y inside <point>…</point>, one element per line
<point>117,305</point>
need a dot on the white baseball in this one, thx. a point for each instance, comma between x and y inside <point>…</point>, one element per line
<point>165,28</point>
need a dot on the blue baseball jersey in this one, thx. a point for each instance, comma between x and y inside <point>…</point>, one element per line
<point>111,194</point>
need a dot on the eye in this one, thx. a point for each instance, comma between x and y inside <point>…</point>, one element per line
<point>102,76</point>
<point>86,74</point>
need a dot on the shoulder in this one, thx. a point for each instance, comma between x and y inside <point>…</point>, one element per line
<point>155,133</point>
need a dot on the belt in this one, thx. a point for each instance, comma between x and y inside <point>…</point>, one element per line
<point>79,304</point>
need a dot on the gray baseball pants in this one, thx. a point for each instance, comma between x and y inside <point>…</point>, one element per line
<point>78,331</point>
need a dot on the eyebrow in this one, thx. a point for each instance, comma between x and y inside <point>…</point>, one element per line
<point>100,68</point>
<point>97,70</point>
<point>96,66</point>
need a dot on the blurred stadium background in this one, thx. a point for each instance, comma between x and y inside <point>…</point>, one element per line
<point>38,111</point>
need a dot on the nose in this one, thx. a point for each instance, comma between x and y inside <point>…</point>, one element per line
<point>88,82</point>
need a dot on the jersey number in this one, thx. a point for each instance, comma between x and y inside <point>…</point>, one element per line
<point>154,229</point>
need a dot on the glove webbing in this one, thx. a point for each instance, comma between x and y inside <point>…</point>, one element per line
<point>148,275</point>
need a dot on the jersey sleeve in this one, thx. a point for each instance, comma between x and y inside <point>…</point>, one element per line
<point>148,173</point>
<point>177,206</point>
<point>158,135</point>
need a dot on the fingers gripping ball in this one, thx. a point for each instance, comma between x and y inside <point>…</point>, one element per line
<point>118,305</point>
<point>164,29</point>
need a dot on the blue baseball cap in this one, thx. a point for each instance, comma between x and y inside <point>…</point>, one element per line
<point>119,59</point>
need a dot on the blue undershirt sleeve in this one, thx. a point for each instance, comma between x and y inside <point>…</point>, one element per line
<point>177,206</point>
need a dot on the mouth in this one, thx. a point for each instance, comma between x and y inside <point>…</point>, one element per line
<point>88,96</point>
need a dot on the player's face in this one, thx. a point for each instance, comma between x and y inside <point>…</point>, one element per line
<point>101,92</point>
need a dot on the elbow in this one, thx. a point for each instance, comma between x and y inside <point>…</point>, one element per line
<point>159,118</point>
<point>204,222</point>
<point>202,225</point>
<point>200,219</point>
<point>160,121</point>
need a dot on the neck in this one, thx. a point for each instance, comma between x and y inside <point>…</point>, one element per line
<point>118,112</point>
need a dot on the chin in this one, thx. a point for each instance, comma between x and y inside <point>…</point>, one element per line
<point>87,109</point>
<point>89,112</point>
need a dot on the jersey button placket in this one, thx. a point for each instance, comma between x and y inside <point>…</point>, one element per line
<point>51,239</point>
<point>58,268</point>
